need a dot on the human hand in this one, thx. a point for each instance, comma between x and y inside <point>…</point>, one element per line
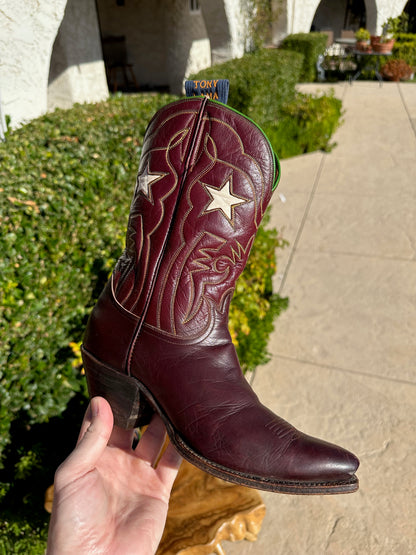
<point>109,498</point>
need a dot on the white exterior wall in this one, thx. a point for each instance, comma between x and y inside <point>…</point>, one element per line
<point>386,9</point>
<point>141,22</point>
<point>28,30</point>
<point>300,14</point>
<point>165,42</point>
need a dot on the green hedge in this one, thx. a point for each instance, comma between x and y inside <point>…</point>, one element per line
<point>260,82</point>
<point>66,186</point>
<point>306,124</point>
<point>310,45</point>
<point>405,48</point>
<point>262,85</point>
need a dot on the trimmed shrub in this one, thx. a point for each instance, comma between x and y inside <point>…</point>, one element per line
<point>262,85</point>
<point>405,48</point>
<point>65,190</point>
<point>254,300</point>
<point>310,45</point>
<point>306,124</point>
<point>260,82</point>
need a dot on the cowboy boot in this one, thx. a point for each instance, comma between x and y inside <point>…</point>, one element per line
<point>158,339</point>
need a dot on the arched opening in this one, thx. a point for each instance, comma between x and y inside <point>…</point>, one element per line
<point>339,17</point>
<point>160,41</point>
<point>410,9</point>
<point>133,39</point>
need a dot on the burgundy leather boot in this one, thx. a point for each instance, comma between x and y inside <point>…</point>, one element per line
<point>158,340</point>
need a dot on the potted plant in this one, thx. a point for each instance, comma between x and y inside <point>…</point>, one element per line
<point>396,70</point>
<point>384,43</point>
<point>362,36</point>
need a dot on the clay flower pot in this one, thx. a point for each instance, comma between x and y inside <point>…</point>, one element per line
<point>381,45</point>
<point>362,45</point>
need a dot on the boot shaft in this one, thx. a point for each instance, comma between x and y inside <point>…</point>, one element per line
<point>205,179</point>
<point>157,339</point>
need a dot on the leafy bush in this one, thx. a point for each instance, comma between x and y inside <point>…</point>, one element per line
<point>396,70</point>
<point>311,45</point>
<point>307,124</point>
<point>260,82</point>
<point>254,301</point>
<point>66,186</point>
<point>22,538</point>
<point>405,48</point>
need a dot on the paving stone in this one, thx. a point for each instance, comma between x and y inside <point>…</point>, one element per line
<point>366,225</point>
<point>373,417</point>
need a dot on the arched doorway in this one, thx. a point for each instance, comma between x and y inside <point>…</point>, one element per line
<point>340,16</point>
<point>163,39</point>
<point>410,9</point>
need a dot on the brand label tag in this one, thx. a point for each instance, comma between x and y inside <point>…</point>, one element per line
<point>216,89</point>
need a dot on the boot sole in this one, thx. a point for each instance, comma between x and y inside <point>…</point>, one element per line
<point>133,406</point>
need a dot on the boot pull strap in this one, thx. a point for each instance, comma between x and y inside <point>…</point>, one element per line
<point>215,89</point>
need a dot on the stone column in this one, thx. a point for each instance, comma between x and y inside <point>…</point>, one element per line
<point>77,72</point>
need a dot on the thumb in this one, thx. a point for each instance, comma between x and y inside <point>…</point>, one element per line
<point>93,439</point>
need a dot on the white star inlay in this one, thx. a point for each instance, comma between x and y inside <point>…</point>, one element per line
<point>223,199</point>
<point>145,179</point>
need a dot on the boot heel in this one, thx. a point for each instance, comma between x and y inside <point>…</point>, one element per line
<point>129,405</point>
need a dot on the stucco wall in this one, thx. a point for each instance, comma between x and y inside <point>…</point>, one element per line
<point>165,42</point>
<point>28,30</point>
<point>238,26</point>
<point>218,29</point>
<point>386,9</point>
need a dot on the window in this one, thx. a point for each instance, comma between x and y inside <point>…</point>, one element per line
<point>194,5</point>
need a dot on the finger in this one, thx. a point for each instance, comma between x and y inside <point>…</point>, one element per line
<point>168,466</point>
<point>121,438</point>
<point>152,441</point>
<point>95,433</point>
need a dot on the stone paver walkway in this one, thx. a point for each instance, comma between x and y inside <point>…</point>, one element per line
<point>344,353</point>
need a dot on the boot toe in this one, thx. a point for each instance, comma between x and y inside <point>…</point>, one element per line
<point>310,459</point>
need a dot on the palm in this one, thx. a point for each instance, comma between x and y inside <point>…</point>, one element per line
<point>118,502</point>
